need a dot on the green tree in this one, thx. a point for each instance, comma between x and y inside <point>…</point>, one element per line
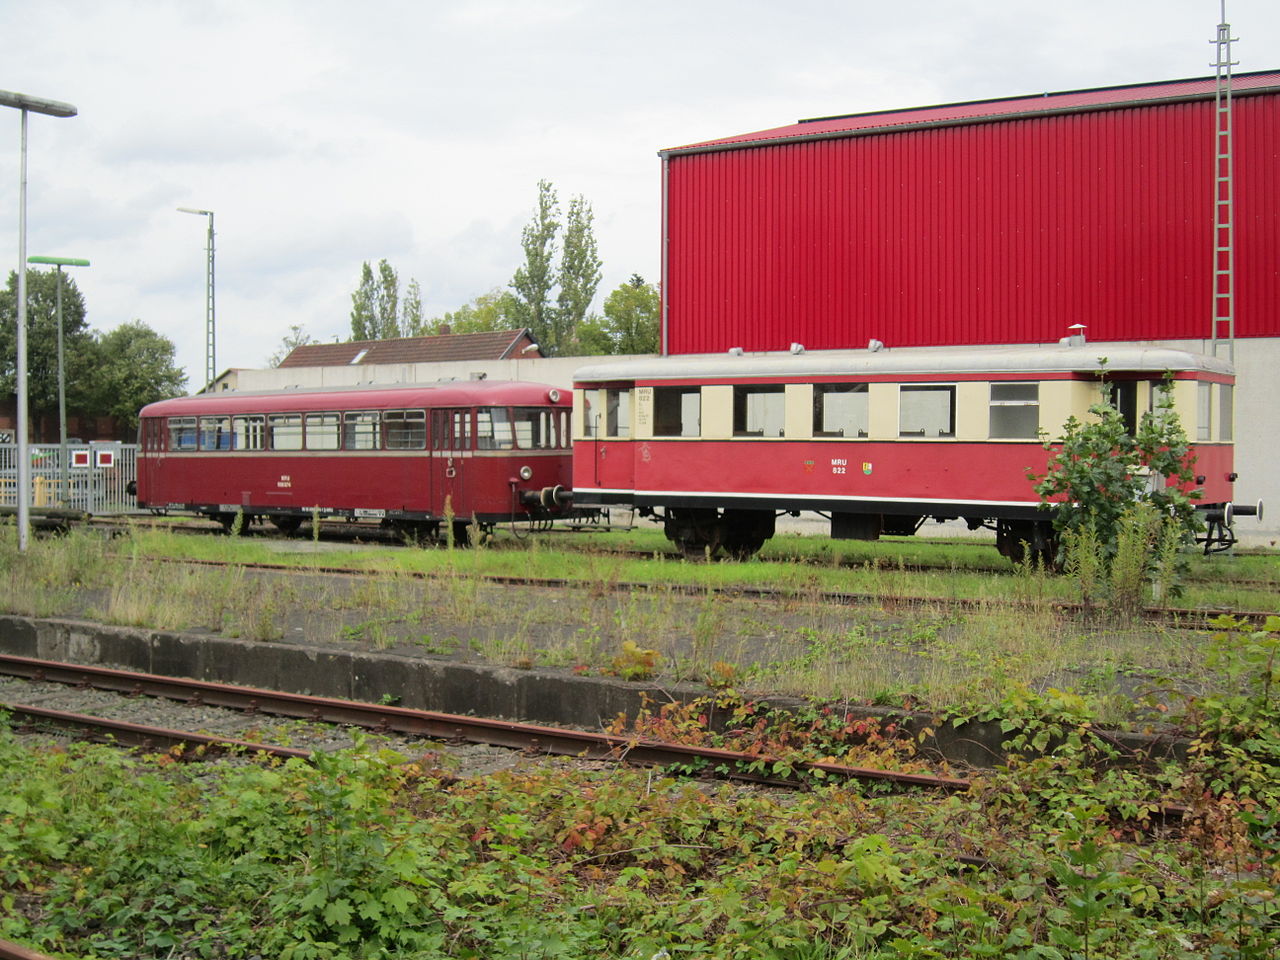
<point>134,366</point>
<point>533,282</point>
<point>579,275</point>
<point>364,305</point>
<point>377,310</point>
<point>42,341</point>
<point>387,303</point>
<point>412,321</point>
<point>496,310</point>
<point>1103,471</point>
<point>630,323</point>
<point>296,337</point>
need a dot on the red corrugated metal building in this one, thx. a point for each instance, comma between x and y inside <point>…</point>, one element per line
<point>1001,221</point>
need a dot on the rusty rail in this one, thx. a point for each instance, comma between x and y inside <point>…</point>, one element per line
<point>446,726</point>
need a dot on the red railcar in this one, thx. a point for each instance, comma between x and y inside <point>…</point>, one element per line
<point>878,440</point>
<point>412,456</point>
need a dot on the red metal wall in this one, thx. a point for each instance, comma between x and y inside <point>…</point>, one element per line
<point>994,232</point>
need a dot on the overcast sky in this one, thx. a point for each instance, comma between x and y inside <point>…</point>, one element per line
<point>324,133</point>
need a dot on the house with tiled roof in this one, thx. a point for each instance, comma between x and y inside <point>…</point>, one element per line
<point>443,347</point>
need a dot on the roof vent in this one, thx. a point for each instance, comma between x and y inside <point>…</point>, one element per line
<point>1076,339</point>
<point>797,348</point>
<point>873,345</point>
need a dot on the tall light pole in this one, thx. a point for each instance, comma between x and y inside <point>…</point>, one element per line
<point>51,108</point>
<point>210,365</point>
<point>64,486</point>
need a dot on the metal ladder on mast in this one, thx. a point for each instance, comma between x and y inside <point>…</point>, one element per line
<point>1223,323</point>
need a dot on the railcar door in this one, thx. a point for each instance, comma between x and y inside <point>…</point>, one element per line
<point>451,437</point>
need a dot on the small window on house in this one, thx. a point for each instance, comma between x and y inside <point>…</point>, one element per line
<point>405,429</point>
<point>677,411</point>
<point>1226,411</point>
<point>361,430</point>
<point>1204,410</point>
<point>840,410</point>
<point>1015,411</point>
<point>286,431</point>
<point>249,433</point>
<point>759,411</point>
<point>926,410</point>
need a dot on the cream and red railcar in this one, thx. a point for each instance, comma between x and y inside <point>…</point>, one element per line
<point>409,456</point>
<point>877,440</point>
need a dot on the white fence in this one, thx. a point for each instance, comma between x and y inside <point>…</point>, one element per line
<point>95,479</point>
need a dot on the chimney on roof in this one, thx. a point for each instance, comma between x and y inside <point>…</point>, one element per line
<point>445,329</point>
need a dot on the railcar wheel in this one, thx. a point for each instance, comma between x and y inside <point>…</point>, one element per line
<point>696,531</point>
<point>286,524</point>
<point>745,531</point>
<point>1028,540</point>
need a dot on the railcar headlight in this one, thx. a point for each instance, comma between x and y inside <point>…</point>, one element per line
<point>553,396</point>
<point>526,473</point>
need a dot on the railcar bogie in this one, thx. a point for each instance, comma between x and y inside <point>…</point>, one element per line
<point>878,441</point>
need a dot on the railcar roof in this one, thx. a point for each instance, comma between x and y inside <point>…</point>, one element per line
<point>1055,358</point>
<point>445,393</point>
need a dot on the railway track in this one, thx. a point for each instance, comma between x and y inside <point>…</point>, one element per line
<point>1167,616</point>
<point>528,738</point>
<point>373,534</point>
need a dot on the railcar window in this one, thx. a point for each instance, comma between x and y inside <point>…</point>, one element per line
<point>182,433</point>
<point>677,411</point>
<point>608,412</point>
<point>1204,410</point>
<point>759,411</point>
<point>286,431</point>
<point>1124,395</point>
<point>617,413</point>
<point>1015,411</point>
<point>322,431</point>
<point>451,429</point>
<point>405,429</point>
<point>215,433</point>
<point>840,410</point>
<point>494,430</point>
<point>249,433</point>
<point>1225,411</point>
<point>153,434</point>
<point>361,430</point>
<point>535,428</point>
<point>926,410</point>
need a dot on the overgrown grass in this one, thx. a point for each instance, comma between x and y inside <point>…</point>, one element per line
<point>440,601</point>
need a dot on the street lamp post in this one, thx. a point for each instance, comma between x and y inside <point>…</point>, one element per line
<point>51,108</point>
<point>210,364</point>
<point>64,484</point>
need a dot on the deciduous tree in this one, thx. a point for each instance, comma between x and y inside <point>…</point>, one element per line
<point>534,281</point>
<point>579,275</point>
<point>296,337</point>
<point>42,341</point>
<point>134,366</point>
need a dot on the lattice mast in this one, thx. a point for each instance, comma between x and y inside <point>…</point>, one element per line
<point>1223,332</point>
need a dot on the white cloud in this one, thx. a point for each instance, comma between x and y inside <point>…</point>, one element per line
<point>324,133</point>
